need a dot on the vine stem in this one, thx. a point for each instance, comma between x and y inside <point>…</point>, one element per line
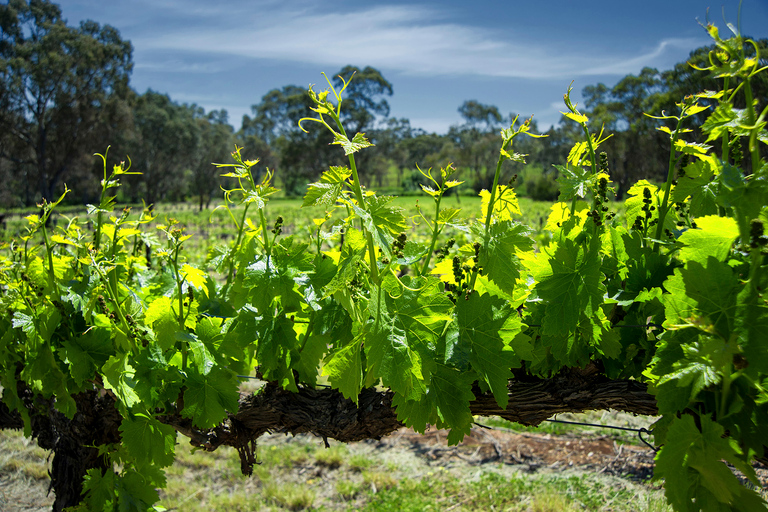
<point>49,252</point>
<point>664,208</point>
<point>265,236</point>
<point>491,205</point>
<point>725,147</point>
<point>753,150</point>
<point>179,283</point>
<point>240,227</point>
<point>435,234</point>
<point>113,297</point>
<point>361,200</point>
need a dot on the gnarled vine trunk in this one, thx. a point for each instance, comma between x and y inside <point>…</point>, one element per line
<point>322,412</point>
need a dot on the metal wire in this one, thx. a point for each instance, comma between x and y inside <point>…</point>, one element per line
<point>640,431</point>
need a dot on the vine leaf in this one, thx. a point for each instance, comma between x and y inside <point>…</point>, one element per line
<point>700,187</point>
<point>691,464</point>
<point>327,190</point>
<point>119,377</point>
<point>209,397</point>
<point>574,182</point>
<point>357,143</point>
<point>381,220</point>
<point>405,333</point>
<point>489,325</point>
<point>277,350</point>
<point>569,281</point>
<point>451,391</point>
<point>163,320</point>
<point>148,440</point>
<point>344,369</point>
<point>394,361</point>
<point>505,204</point>
<point>714,237</point>
<point>351,252</point>
<point>500,261</point>
<point>703,296</point>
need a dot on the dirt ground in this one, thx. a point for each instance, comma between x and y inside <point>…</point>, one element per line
<point>532,452</point>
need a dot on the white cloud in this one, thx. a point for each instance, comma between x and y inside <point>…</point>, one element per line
<point>413,40</point>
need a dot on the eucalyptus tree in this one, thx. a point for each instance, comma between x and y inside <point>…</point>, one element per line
<point>61,89</point>
<point>475,141</point>
<point>301,155</point>
<point>215,143</point>
<point>163,149</point>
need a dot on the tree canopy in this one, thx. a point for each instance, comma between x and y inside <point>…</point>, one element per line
<point>66,95</point>
<point>62,90</point>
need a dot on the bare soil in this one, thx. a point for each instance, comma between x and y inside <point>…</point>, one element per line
<point>532,452</point>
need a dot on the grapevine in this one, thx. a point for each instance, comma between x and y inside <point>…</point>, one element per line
<point>662,310</point>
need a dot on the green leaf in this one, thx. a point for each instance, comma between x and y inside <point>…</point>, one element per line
<point>87,353</point>
<point>691,148</point>
<point>310,356</point>
<point>135,491</point>
<point>671,463</point>
<point>412,253</point>
<point>634,202</point>
<point>193,276</point>
<point>163,320</point>
<point>45,376</point>
<point>695,477</point>
<point>99,490</point>
<point>327,190</point>
<point>421,310</point>
<point>201,356</point>
<point>118,376</point>
<point>451,392</point>
<point>357,143</point>
<point>381,220</point>
<point>277,350</point>
<point>351,252</point>
<point>752,325</point>
<point>408,321</point>
<point>702,296</point>
<point>208,398</point>
<point>148,440</point>
<point>488,326</point>
<point>695,369</point>
<point>344,369</point>
<point>714,237</point>
<point>505,203</point>
<point>448,214</point>
<point>723,118</point>
<point>569,282</point>
<point>390,358</point>
<point>500,261</point>
<point>699,186</point>
<point>416,414</point>
<point>579,118</point>
<point>574,182</point>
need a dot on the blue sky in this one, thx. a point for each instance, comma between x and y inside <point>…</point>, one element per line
<point>519,56</point>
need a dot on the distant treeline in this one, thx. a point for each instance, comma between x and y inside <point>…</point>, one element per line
<point>65,94</point>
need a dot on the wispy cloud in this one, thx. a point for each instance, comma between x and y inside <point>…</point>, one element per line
<point>411,39</point>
